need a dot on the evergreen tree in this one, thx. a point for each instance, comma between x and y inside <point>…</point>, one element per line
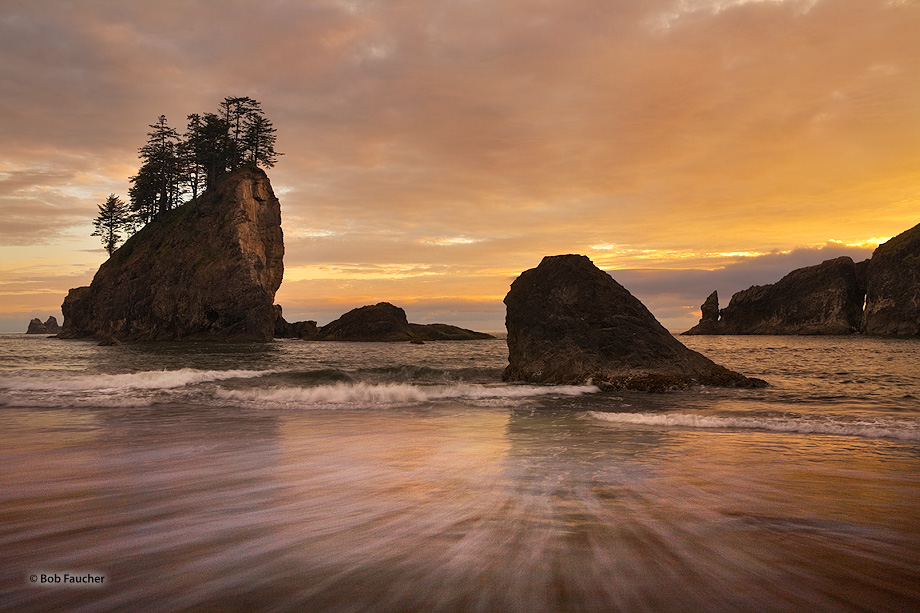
<point>213,145</point>
<point>236,111</point>
<point>260,141</point>
<point>156,185</point>
<point>193,169</point>
<point>113,219</point>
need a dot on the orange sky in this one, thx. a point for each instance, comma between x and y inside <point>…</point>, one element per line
<point>435,149</point>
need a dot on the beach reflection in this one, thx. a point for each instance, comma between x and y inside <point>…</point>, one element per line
<point>448,508</point>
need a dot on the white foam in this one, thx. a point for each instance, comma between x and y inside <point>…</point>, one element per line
<point>396,393</point>
<point>882,428</point>
<point>151,379</point>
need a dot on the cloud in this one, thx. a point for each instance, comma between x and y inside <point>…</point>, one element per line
<point>475,137</point>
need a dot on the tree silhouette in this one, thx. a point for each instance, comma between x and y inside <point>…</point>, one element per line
<point>156,186</point>
<point>213,145</point>
<point>113,219</point>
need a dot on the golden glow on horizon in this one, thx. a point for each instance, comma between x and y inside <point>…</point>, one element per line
<point>348,272</point>
<point>438,150</point>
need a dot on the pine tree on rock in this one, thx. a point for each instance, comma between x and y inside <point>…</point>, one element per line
<point>114,218</point>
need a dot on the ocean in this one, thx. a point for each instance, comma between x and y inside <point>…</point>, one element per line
<point>330,476</point>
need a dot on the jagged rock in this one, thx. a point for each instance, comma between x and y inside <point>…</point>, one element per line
<point>823,299</point>
<point>306,330</point>
<point>709,322</point>
<point>386,322</point>
<point>893,287</point>
<point>569,323</point>
<point>197,272</point>
<point>49,327</point>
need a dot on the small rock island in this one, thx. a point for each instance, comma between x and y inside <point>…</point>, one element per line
<point>386,322</point>
<point>207,270</point>
<point>50,326</point>
<point>571,323</point>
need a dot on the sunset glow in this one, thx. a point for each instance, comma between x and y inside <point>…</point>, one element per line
<point>434,150</point>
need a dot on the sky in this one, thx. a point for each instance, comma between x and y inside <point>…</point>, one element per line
<point>434,150</point>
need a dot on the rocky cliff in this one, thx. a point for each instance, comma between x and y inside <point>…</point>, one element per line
<point>197,272</point>
<point>822,299</point>
<point>569,322</point>
<point>893,287</point>
<point>386,322</point>
<point>50,326</point>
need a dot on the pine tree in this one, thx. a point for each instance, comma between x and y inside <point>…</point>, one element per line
<point>113,219</point>
<point>213,145</point>
<point>156,185</point>
<point>260,141</point>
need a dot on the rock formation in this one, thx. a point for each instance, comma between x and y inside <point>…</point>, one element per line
<point>197,272</point>
<point>385,322</point>
<point>823,299</point>
<point>49,327</point>
<point>305,330</point>
<point>569,323</point>
<point>893,287</point>
<point>709,322</point>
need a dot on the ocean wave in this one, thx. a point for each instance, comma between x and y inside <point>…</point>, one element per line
<point>151,379</point>
<point>881,428</point>
<point>344,394</point>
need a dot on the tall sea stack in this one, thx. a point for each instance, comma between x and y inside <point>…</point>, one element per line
<point>570,322</point>
<point>204,271</point>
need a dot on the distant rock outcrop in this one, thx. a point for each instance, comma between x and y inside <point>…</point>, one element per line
<point>569,323</point>
<point>893,287</point>
<point>305,330</point>
<point>197,272</point>
<point>50,326</point>
<point>385,322</point>
<point>823,299</point>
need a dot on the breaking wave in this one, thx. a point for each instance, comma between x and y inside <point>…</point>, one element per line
<point>154,379</point>
<point>881,428</point>
<point>346,394</point>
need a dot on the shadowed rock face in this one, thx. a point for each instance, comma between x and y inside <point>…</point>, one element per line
<point>893,287</point>
<point>305,330</point>
<point>386,322</point>
<point>569,322</point>
<point>822,299</point>
<point>199,273</point>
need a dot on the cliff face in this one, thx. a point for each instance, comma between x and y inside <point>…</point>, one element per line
<point>205,272</point>
<point>822,299</point>
<point>570,322</point>
<point>893,287</point>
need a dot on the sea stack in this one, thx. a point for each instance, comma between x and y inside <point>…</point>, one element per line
<point>823,299</point>
<point>50,326</point>
<point>893,287</point>
<point>570,323</point>
<point>207,270</point>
